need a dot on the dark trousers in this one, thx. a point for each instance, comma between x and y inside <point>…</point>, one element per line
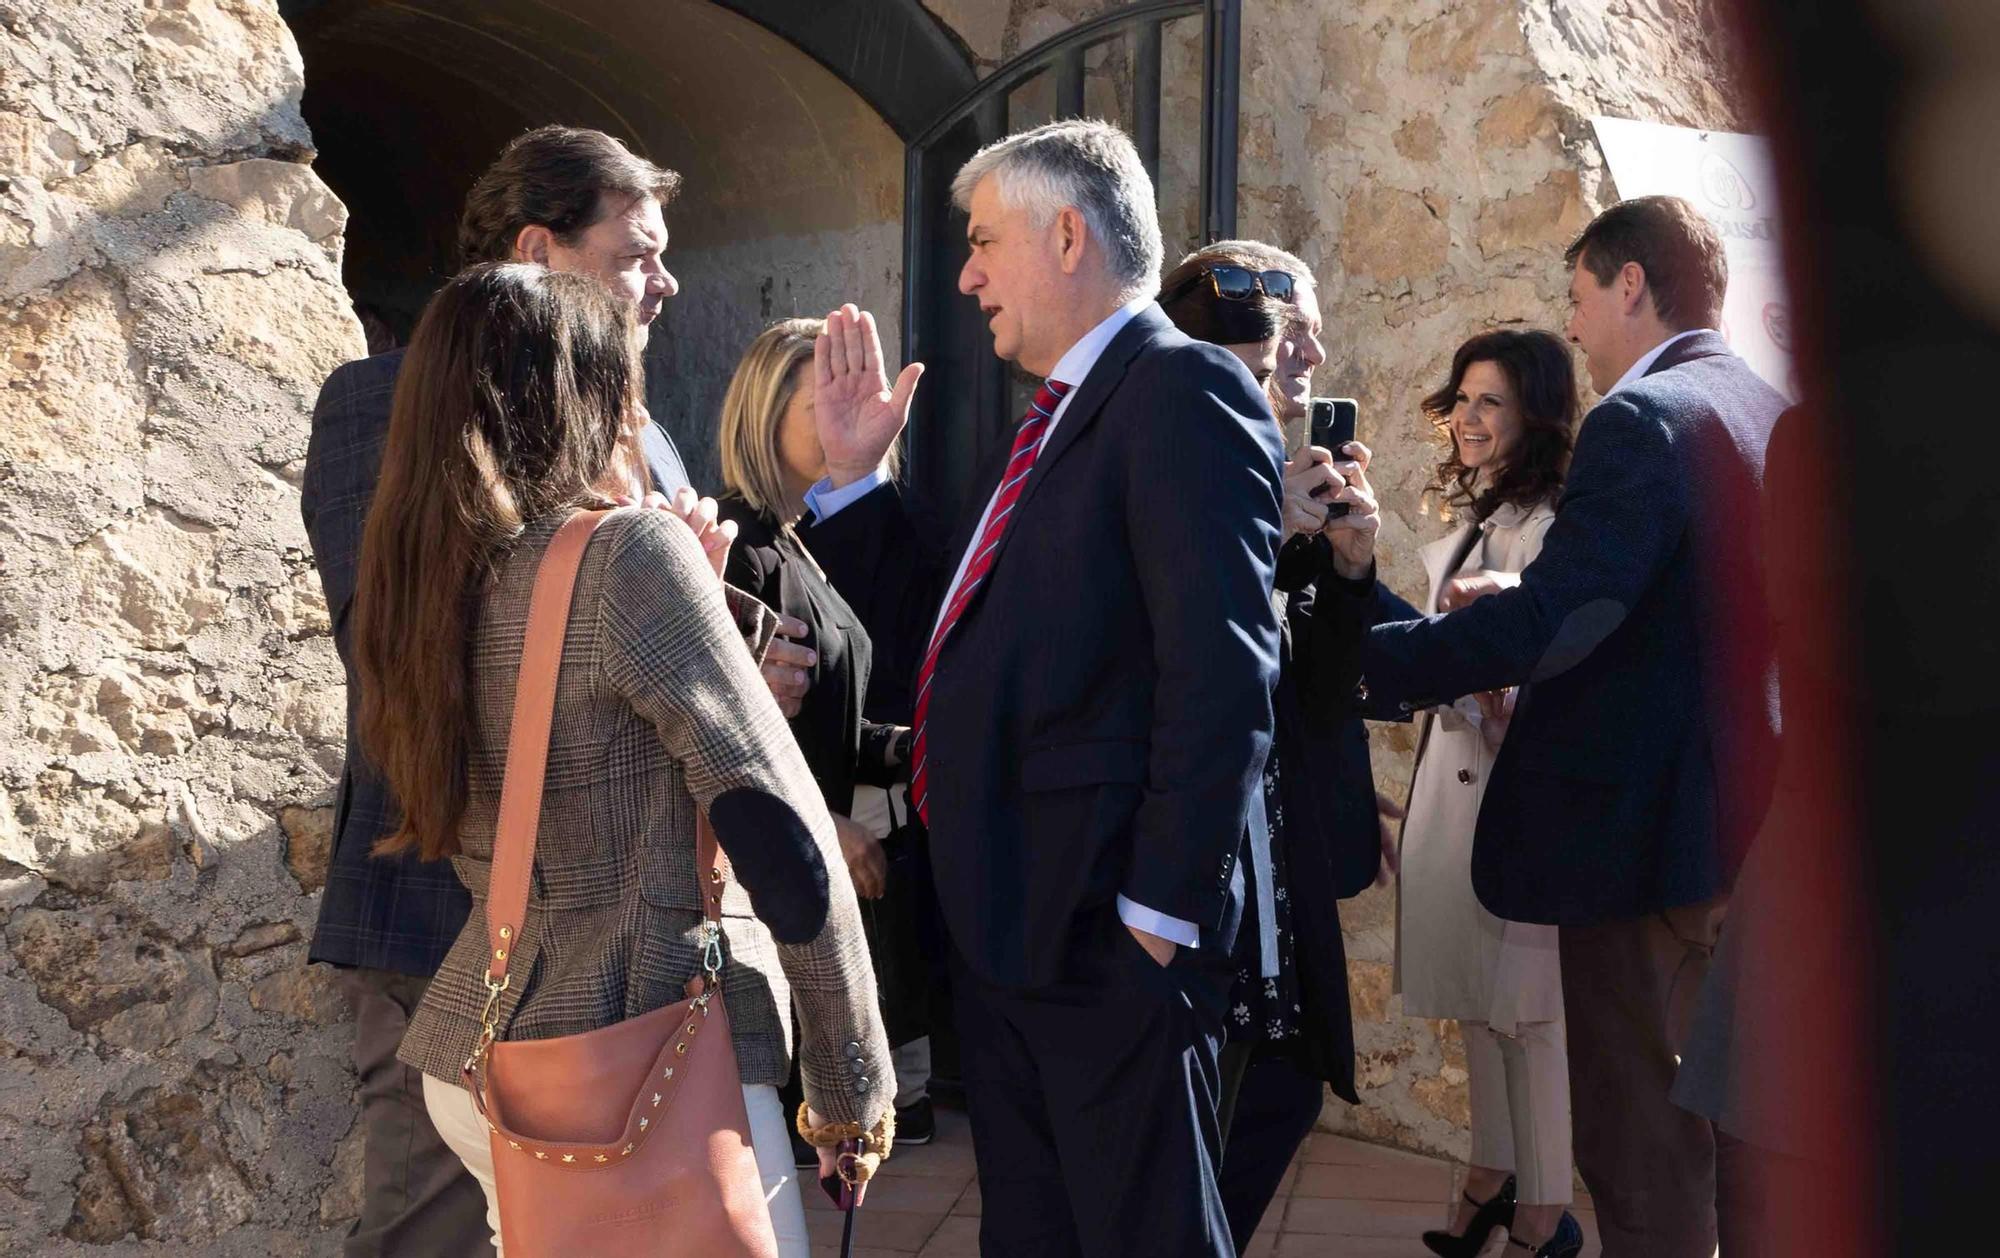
<point>1270,1107</point>
<point>417,1197</point>
<point>1093,1105</point>
<point>1658,1175</point>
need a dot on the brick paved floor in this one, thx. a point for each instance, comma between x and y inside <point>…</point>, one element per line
<point>1341,1199</point>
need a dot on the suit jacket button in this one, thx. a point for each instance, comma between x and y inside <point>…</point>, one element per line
<point>853,1048</point>
<point>862,1083</point>
<point>1403,707</point>
<point>859,1065</point>
<point>1465,775</point>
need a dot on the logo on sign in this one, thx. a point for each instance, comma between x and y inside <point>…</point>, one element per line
<point>1723,185</point>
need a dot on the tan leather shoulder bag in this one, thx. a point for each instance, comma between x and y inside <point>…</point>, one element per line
<point>631,1139</point>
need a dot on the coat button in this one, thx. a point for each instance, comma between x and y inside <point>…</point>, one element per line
<point>862,1083</point>
<point>1361,691</point>
<point>1465,775</point>
<point>853,1048</point>
<point>859,1065</point>
<point>1404,707</point>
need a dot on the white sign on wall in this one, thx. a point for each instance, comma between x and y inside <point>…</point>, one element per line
<point>1728,177</point>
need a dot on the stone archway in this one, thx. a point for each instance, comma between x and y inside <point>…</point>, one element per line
<point>794,181</point>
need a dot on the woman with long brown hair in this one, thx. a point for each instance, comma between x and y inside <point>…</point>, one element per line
<point>513,411</point>
<point>1507,411</point>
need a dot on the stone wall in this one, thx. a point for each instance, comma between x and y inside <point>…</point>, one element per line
<point>1429,159</point>
<point>170,702</point>
<point>170,1071</point>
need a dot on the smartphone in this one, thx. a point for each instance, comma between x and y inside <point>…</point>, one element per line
<point>1330,426</point>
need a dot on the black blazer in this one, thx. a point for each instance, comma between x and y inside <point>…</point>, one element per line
<point>1639,760</point>
<point>1100,716</point>
<point>385,913</point>
<point>841,747</point>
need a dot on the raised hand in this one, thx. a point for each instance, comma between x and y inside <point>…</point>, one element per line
<point>856,411</point>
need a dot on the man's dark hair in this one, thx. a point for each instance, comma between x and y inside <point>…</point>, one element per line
<point>1673,244</point>
<point>563,178</point>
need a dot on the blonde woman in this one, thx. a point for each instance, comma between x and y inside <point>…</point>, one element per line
<point>771,460</point>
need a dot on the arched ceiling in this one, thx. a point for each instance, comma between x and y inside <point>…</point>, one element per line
<point>409,99</point>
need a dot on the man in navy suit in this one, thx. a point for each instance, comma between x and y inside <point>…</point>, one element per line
<point>1640,757</point>
<point>572,200</point>
<point>1093,710</point>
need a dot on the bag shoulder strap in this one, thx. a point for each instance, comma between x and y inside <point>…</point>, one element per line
<point>528,754</point>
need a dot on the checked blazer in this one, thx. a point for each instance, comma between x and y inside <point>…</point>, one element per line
<point>393,913</point>
<point>659,708</point>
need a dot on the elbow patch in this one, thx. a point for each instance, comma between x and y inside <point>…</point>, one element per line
<point>1579,634</point>
<point>774,856</point>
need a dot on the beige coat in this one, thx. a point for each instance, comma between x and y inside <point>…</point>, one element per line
<point>1453,958</point>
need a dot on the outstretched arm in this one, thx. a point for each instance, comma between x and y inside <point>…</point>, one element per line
<point>1622,517</point>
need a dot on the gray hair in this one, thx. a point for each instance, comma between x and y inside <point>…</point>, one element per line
<point>1089,166</point>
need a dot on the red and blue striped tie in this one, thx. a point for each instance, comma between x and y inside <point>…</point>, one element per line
<point>1027,445</point>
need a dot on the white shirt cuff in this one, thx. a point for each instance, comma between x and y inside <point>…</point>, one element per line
<point>1154,922</point>
<point>824,500</point>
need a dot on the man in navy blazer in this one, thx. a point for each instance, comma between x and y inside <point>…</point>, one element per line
<point>1640,756</point>
<point>1093,712</point>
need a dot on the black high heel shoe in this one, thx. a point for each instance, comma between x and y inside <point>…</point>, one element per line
<point>1566,1243</point>
<point>1495,1211</point>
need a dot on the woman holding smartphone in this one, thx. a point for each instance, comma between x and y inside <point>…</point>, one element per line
<point>1289,1003</point>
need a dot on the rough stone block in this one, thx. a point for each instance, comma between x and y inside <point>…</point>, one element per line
<point>1545,218</point>
<point>308,845</point>
<point>1389,233</point>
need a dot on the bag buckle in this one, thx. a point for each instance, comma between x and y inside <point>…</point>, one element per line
<point>711,962</point>
<point>488,1019</point>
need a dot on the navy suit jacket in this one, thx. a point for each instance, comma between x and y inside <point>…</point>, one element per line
<point>1100,715</point>
<point>1639,760</point>
<point>398,913</point>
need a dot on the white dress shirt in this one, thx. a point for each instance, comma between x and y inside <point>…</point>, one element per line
<point>1072,369</point>
<point>1651,356</point>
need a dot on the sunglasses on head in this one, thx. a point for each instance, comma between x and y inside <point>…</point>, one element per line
<point>1235,283</point>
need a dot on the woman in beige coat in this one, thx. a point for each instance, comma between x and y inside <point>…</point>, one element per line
<point>512,411</point>
<point>1509,411</point>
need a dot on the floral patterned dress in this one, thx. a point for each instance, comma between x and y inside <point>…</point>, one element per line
<point>1266,1009</point>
